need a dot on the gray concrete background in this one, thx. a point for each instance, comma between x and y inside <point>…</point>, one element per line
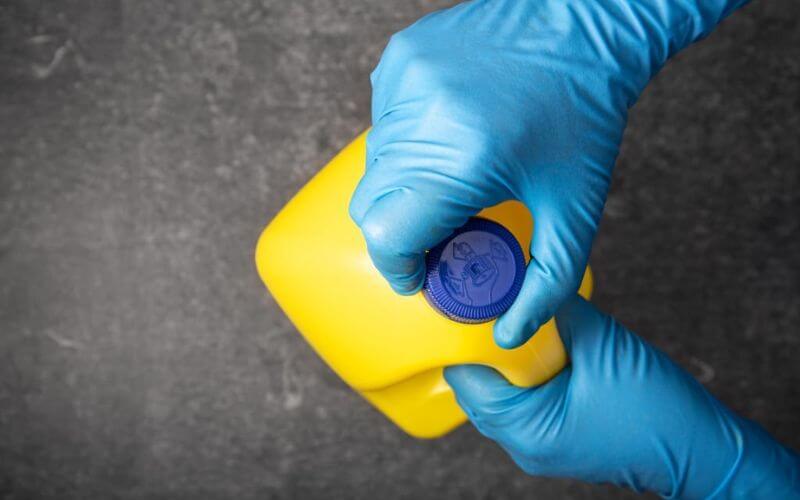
<point>145,144</point>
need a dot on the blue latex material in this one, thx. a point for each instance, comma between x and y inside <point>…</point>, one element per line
<point>511,99</point>
<point>623,413</point>
<point>475,274</point>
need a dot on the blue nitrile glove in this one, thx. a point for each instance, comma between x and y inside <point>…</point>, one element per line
<point>623,413</point>
<point>511,99</point>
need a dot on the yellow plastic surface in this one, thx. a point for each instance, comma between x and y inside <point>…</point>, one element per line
<point>389,348</point>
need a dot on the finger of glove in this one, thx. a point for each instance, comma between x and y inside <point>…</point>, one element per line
<point>400,226</point>
<point>560,249</point>
<point>412,196</point>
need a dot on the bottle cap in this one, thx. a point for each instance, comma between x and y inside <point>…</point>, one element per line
<point>475,274</point>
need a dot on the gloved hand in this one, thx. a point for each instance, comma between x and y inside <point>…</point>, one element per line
<point>623,413</point>
<point>510,99</point>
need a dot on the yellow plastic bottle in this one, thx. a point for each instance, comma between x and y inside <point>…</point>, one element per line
<point>389,348</point>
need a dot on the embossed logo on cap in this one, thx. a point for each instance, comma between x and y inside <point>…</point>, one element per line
<point>475,274</point>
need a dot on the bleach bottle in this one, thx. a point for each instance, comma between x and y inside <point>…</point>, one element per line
<point>390,348</point>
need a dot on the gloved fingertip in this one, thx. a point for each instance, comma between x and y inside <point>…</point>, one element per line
<point>393,251</point>
<point>454,374</point>
<point>506,338</point>
<point>473,379</point>
<point>408,285</point>
<point>356,213</point>
<point>360,203</point>
<point>509,333</point>
<point>534,306</point>
<point>405,275</point>
<point>477,386</point>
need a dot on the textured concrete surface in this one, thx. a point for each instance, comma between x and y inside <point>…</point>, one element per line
<point>145,144</point>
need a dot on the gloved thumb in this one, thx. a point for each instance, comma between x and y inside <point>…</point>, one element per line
<point>493,404</point>
<point>497,408</point>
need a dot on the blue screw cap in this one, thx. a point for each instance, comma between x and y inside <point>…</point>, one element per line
<point>474,275</point>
